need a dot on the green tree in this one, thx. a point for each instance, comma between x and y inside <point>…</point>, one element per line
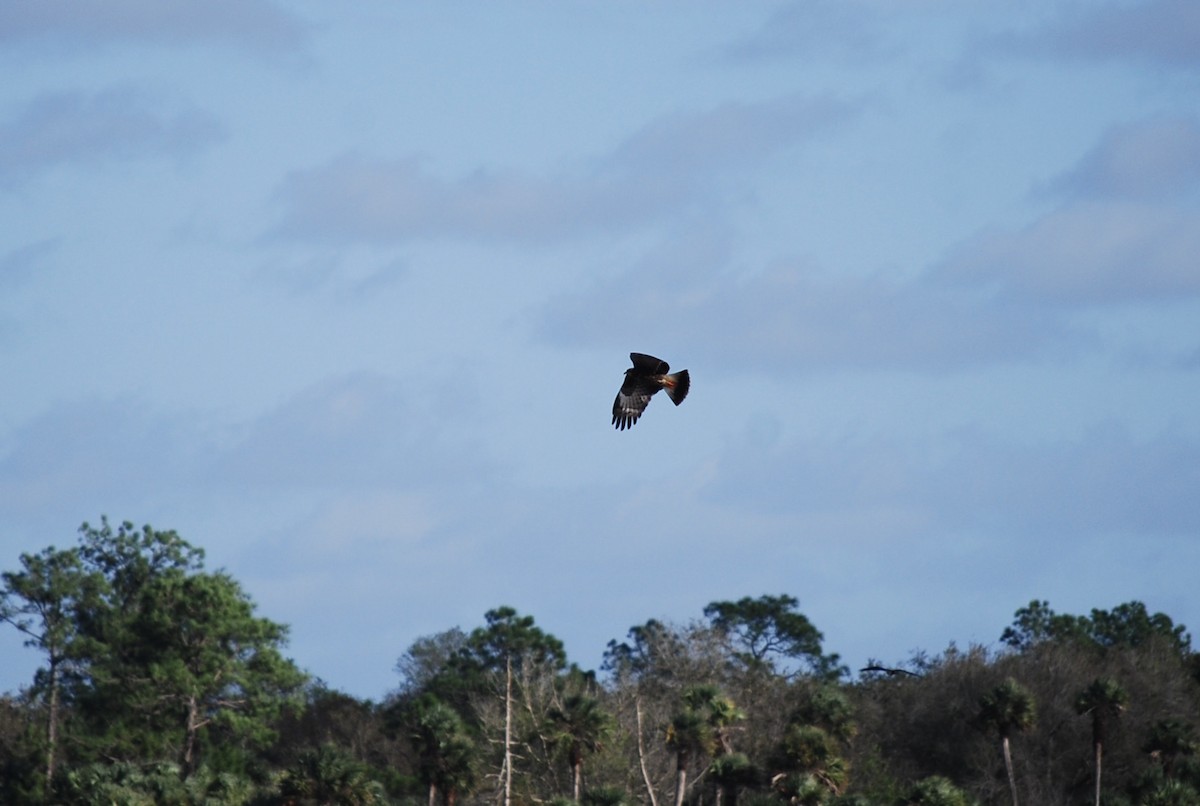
<point>770,628</point>
<point>731,773</point>
<point>701,727</point>
<point>1007,709</point>
<point>1132,625</point>
<point>1172,741</point>
<point>1126,625</point>
<point>812,766</point>
<point>937,791</point>
<point>1037,622</point>
<point>580,726</point>
<point>827,707</point>
<point>41,601</point>
<point>1172,793</point>
<point>169,652</point>
<point>1103,700</point>
<point>720,712</point>
<point>688,735</point>
<point>508,644</point>
<point>328,775</point>
<point>445,751</point>
<point>647,655</point>
<point>427,658</point>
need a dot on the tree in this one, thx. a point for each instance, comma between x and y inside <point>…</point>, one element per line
<point>218,663</point>
<point>809,755</point>
<point>328,775</point>
<point>771,627</point>
<point>720,714</point>
<point>1006,709</point>
<point>828,708</point>
<point>1172,793</point>
<point>1171,741</point>
<point>1126,625</point>
<point>168,652</point>
<point>41,602</point>
<point>1037,622</point>
<point>444,749</point>
<point>1132,625</point>
<point>700,727</point>
<point>509,640</point>
<point>937,791</point>
<point>730,773</point>
<point>1103,700</point>
<point>688,735</point>
<point>812,766</point>
<point>580,726</point>
<point>427,658</point>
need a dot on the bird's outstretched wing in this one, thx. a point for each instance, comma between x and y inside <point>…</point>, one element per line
<point>648,364</point>
<point>631,402</point>
<point>889,671</point>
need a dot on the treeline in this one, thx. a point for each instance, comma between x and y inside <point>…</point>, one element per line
<point>160,685</point>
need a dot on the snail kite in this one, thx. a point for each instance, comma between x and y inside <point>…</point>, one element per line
<point>647,375</point>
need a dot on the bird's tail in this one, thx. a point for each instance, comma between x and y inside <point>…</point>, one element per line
<point>677,385</point>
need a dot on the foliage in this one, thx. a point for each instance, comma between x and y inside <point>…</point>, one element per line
<point>445,752</point>
<point>1128,625</point>
<point>330,775</point>
<point>170,655</point>
<point>937,791</point>
<point>161,684</point>
<point>768,628</point>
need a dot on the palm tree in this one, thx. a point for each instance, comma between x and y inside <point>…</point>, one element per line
<point>444,749</point>
<point>1104,700</point>
<point>702,727</point>
<point>1006,709</point>
<point>814,769</point>
<point>580,726</point>
<point>721,713</point>
<point>328,776</point>
<point>730,773</point>
<point>688,735</point>
<point>937,791</point>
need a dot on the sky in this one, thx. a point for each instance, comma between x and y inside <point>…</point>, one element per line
<point>342,293</point>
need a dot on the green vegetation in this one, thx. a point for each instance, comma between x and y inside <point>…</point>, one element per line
<point>159,684</point>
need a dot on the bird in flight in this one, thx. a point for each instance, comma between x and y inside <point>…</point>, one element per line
<point>890,672</point>
<point>647,375</point>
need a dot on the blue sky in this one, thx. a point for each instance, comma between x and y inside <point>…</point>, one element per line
<point>343,294</point>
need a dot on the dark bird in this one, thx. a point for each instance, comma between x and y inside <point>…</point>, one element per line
<point>647,375</point>
<point>890,672</point>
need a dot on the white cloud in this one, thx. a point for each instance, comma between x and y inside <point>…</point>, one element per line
<point>662,172</point>
<point>361,432</point>
<point>1156,32</point>
<point>91,453</point>
<point>20,264</point>
<point>250,24</point>
<point>1146,160</point>
<point>1086,254</point>
<point>845,30</point>
<point>65,128</point>
<point>792,317</point>
<point>728,137</point>
<point>357,431</point>
<point>354,198</point>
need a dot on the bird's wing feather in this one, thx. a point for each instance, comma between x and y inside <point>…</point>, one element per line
<point>630,403</point>
<point>650,364</point>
